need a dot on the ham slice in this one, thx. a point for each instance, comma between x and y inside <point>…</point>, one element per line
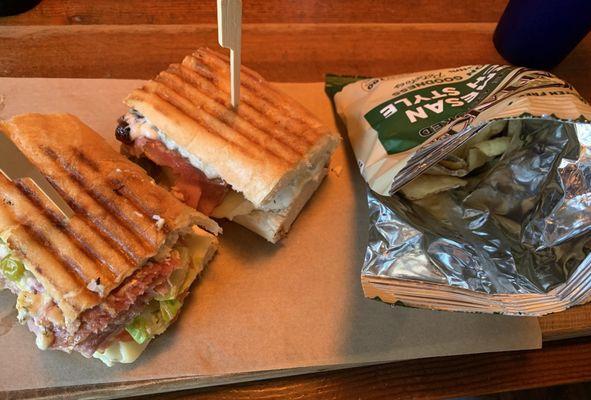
<point>189,184</point>
<point>108,319</point>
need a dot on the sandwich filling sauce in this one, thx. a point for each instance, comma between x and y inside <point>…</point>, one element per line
<point>142,307</point>
<point>34,306</point>
<point>197,184</point>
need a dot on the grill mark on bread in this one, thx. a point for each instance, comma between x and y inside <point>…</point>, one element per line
<point>72,266</point>
<point>125,211</point>
<point>270,108</point>
<point>224,59</point>
<point>54,216</point>
<point>255,85</point>
<point>30,215</point>
<point>205,121</point>
<point>230,119</point>
<point>258,87</point>
<point>142,206</point>
<point>263,120</point>
<point>30,235</point>
<point>59,221</point>
<point>86,160</point>
<point>109,221</point>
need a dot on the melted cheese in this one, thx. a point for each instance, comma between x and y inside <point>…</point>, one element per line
<point>233,204</point>
<point>121,352</point>
<point>139,126</point>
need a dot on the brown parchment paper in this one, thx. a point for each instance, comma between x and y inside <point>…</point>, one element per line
<point>259,310</point>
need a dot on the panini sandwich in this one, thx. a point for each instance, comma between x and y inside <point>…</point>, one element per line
<point>107,280</point>
<point>257,165</point>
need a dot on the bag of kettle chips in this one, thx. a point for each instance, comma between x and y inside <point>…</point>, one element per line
<point>480,181</point>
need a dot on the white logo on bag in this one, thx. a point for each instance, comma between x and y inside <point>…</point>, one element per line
<point>389,110</point>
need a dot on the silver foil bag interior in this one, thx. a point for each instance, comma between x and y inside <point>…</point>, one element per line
<point>521,227</point>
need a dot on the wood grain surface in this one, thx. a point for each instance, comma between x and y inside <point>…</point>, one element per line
<point>280,52</point>
<point>117,12</point>
<point>300,41</point>
<point>574,322</point>
<point>433,378</point>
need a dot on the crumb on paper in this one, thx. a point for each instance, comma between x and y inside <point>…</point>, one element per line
<point>137,213</point>
<point>159,221</point>
<point>337,170</point>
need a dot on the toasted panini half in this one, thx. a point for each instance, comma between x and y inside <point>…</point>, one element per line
<point>107,280</point>
<point>257,164</point>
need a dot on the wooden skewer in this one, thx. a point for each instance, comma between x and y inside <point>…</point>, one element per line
<point>230,37</point>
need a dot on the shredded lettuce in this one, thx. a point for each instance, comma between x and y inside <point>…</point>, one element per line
<point>138,330</point>
<point>163,309</point>
<point>121,352</point>
<point>169,309</point>
<point>154,320</point>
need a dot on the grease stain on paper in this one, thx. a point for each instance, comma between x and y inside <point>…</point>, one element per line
<point>7,321</point>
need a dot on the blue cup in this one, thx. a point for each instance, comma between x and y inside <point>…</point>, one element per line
<point>540,33</point>
<point>14,7</point>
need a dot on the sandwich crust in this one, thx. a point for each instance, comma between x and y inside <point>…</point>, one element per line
<point>273,226</point>
<point>122,217</point>
<point>258,149</point>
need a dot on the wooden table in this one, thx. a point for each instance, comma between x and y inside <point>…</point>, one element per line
<point>299,41</point>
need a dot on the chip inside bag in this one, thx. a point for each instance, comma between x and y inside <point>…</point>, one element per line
<point>479,187</point>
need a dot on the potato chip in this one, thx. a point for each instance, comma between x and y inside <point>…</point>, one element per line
<point>438,205</point>
<point>453,162</point>
<point>514,127</point>
<point>440,170</point>
<point>475,153</point>
<point>489,131</point>
<point>494,147</point>
<point>427,185</point>
<point>476,159</point>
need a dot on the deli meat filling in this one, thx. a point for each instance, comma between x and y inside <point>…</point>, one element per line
<point>185,181</point>
<point>118,309</point>
<point>100,324</point>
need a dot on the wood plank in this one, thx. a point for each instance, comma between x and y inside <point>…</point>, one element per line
<point>66,12</point>
<point>435,378</point>
<point>306,53</point>
<point>574,322</point>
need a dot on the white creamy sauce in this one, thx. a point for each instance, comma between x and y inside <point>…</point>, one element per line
<point>44,341</point>
<point>159,221</point>
<point>139,126</point>
<point>95,286</point>
<point>4,251</point>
